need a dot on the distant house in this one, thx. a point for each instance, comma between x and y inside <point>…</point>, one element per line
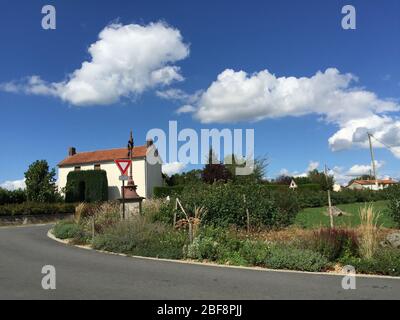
<point>145,175</point>
<point>371,184</point>
<point>337,187</point>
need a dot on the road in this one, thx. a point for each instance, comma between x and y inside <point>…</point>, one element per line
<point>85,274</point>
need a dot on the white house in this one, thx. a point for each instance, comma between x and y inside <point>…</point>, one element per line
<point>371,184</point>
<point>145,175</point>
<point>337,187</point>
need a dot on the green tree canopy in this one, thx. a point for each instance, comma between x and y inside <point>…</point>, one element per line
<point>325,181</point>
<point>232,162</point>
<point>40,182</point>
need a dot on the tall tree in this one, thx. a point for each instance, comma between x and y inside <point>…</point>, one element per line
<point>283,180</point>
<point>257,174</point>
<point>325,181</point>
<point>40,182</point>
<point>214,170</point>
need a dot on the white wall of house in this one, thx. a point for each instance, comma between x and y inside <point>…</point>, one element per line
<point>373,187</point>
<point>139,168</point>
<point>153,177</point>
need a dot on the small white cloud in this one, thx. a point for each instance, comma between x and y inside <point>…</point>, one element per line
<point>179,95</point>
<point>13,185</point>
<point>186,109</point>
<point>172,168</point>
<point>359,170</point>
<point>125,61</point>
<point>312,166</point>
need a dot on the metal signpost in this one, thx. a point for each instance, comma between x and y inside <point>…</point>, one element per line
<point>123,166</point>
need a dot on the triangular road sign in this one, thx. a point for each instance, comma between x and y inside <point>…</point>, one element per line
<point>293,185</point>
<point>123,165</point>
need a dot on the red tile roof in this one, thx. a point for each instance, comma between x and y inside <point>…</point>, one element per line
<point>370,182</point>
<point>102,156</point>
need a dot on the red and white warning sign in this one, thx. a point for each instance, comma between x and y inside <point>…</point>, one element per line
<point>123,165</point>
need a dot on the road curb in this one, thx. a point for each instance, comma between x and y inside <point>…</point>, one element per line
<point>188,262</point>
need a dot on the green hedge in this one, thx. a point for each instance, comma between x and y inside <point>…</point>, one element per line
<point>163,192</point>
<point>9,197</point>
<point>87,186</point>
<point>301,187</point>
<point>394,203</point>
<point>32,208</point>
<point>225,205</point>
<point>309,199</point>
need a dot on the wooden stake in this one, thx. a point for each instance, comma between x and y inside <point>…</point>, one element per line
<point>247,214</point>
<point>93,227</point>
<point>176,208</point>
<point>329,197</point>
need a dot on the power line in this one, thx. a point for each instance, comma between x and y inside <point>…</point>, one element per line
<point>391,148</point>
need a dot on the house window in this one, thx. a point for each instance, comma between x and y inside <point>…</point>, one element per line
<point>77,168</point>
<point>97,167</point>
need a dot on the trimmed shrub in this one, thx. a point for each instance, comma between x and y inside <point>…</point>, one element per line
<point>291,258</point>
<point>32,208</point>
<point>163,192</point>
<point>66,230</point>
<point>87,186</point>
<point>335,243</point>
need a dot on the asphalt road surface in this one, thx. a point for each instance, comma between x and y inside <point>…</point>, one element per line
<point>84,274</point>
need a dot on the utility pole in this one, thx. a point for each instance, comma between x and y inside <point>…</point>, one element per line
<point>373,159</point>
<point>329,197</point>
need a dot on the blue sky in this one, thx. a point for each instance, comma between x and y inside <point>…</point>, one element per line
<point>287,38</point>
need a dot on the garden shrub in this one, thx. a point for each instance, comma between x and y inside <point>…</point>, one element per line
<point>139,237</point>
<point>32,208</point>
<point>394,203</point>
<point>254,253</point>
<point>165,214</point>
<point>203,248</point>
<point>335,243</point>
<point>384,262</point>
<point>12,197</point>
<point>66,230</point>
<point>163,192</point>
<point>224,246</point>
<point>226,206</point>
<point>292,258</point>
<point>87,186</point>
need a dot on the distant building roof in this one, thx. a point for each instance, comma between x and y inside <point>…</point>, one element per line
<point>372,182</point>
<point>102,156</point>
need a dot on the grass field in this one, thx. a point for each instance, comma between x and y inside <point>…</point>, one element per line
<point>316,217</point>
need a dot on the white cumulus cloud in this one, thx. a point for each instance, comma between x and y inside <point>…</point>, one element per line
<point>359,169</point>
<point>238,96</point>
<point>13,185</point>
<point>125,61</point>
<point>172,168</point>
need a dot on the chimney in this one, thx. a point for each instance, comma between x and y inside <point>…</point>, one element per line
<point>149,143</point>
<point>71,151</point>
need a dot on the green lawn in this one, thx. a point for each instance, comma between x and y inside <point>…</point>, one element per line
<point>315,217</point>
